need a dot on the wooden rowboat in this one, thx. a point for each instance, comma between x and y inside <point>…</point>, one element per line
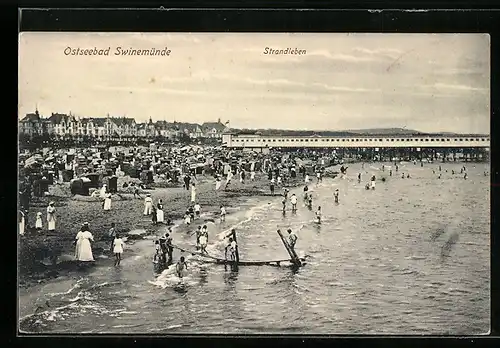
<point>216,260</point>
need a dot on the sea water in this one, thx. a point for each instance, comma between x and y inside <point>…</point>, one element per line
<point>410,257</point>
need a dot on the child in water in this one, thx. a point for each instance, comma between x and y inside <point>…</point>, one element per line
<point>222,213</point>
<point>181,267</point>
<point>118,249</point>
<point>318,215</point>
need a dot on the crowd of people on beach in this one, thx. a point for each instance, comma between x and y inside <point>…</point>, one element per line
<point>282,173</point>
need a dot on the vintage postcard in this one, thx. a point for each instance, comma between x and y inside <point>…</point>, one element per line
<point>223,183</point>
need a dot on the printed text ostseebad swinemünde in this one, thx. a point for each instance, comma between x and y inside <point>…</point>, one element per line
<point>118,51</point>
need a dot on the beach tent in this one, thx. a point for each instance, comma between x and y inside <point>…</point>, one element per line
<point>94,180</point>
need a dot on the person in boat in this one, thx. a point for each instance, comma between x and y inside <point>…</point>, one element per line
<point>181,267</point>
<point>336,195</point>
<point>292,239</point>
<point>293,200</point>
<point>318,215</point>
<point>198,235</point>
<point>222,213</point>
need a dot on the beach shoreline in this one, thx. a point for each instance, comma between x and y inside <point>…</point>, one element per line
<point>36,249</point>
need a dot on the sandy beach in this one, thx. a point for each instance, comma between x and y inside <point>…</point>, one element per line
<point>38,249</point>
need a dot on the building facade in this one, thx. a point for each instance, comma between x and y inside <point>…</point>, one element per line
<point>68,125</point>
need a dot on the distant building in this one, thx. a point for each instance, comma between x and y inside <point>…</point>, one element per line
<point>63,125</point>
<point>213,129</point>
<point>31,124</point>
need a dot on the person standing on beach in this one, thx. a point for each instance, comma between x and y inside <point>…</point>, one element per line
<point>217,183</point>
<point>112,235</point>
<point>160,216</point>
<point>271,186</point>
<point>187,180</point>
<point>336,195</point>
<point>83,247</point>
<point>293,200</point>
<point>252,175</point>
<point>359,178</point>
<point>38,222</point>
<point>228,178</point>
<point>222,213</point>
<point>21,222</point>
<point>283,202</point>
<point>51,216</point>
<point>242,176</point>
<point>118,249</point>
<point>193,193</point>
<point>148,205</point>
<point>107,201</point>
<point>373,182</point>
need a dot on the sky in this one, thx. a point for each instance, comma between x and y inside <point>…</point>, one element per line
<point>425,82</point>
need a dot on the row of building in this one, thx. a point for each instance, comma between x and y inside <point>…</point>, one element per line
<point>101,127</point>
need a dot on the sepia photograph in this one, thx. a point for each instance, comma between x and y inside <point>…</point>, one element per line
<point>253,183</point>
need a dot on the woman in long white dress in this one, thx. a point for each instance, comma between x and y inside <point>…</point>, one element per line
<point>148,205</point>
<point>21,222</point>
<point>160,217</point>
<point>38,222</point>
<point>193,193</point>
<point>103,191</point>
<point>107,202</point>
<point>51,216</point>
<point>84,252</point>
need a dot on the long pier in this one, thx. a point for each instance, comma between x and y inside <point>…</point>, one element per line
<point>414,147</point>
